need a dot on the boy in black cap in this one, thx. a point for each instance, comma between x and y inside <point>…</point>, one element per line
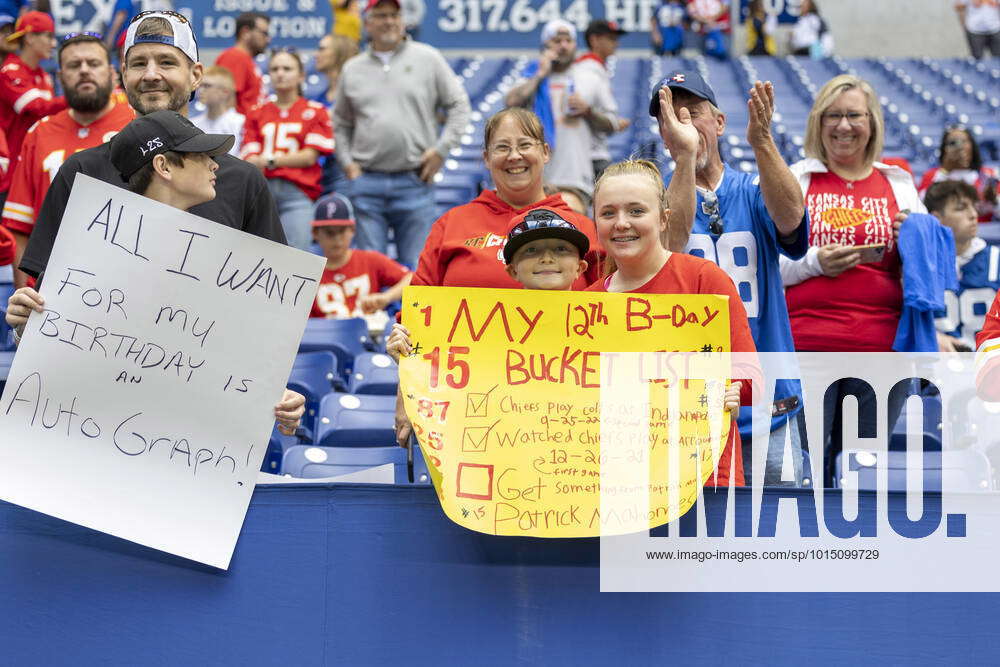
<point>543,251</point>
<point>165,157</point>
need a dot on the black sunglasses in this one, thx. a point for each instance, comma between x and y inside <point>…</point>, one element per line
<point>710,207</point>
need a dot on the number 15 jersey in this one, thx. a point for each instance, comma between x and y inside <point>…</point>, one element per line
<point>270,130</point>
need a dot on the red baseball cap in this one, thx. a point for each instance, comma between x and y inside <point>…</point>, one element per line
<point>370,5</point>
<point>32,22</point>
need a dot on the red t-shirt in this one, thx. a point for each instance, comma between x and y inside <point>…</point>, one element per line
<point>270,130</point>
<point>858,311</point>
<point>46,146</point>
<point>249,83</point>
<point>465,245</point>
<point>687,274</point>
<point>366,272</point>
<point>26,95</point>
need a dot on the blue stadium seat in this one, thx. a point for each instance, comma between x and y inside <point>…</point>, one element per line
<point>960,471</point>
<point>314,375</point>
<point>277,445</point>
<point>347,420</point>
<point>6,359</point>
<point>374,373</point>
<point>421,475</point>
<point>312,462</point>
<point>345,338</point>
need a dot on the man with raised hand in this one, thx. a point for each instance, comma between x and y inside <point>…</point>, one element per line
<point>741,222</point>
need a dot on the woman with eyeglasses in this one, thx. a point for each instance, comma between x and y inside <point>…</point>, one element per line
<point>284,139</point>
<point>960,160</point>
<point>846,294</point>
<point>465,246</point>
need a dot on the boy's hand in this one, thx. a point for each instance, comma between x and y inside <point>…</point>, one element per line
<point>20,304</point>
<point>289,411</point>
<point>373,303</point>
<point>398,343</point>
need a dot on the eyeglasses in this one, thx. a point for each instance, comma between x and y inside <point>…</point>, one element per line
<point>161,12</point>
<point>504,150</point>
<point>855,118</point>
<point>284,49</point>
<point>710,207</point>
<point>540,220</point>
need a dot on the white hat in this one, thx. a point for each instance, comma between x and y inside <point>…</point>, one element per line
<point>183,37</point>
<point>556,26</point>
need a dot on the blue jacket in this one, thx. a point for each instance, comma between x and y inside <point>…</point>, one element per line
<point>927,249</point>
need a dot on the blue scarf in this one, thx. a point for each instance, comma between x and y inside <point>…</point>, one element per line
<point>543,105</point>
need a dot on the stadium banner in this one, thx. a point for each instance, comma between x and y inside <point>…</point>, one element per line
<point>517,24</point>
<point>294,23</point>
<point>140,403</point>
<point>901,495</point>
<point>503,388</point>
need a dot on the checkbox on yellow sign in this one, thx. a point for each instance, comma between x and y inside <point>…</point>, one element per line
<point>478,404</point>
<point>474,438</point>
<point>474,481</point>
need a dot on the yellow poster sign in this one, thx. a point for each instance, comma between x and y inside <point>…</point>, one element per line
<point>504,391</point>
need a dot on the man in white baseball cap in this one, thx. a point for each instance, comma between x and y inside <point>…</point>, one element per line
<point>570,113</point>
<point>160,70</point>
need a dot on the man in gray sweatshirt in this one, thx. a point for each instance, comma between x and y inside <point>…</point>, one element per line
<point>387,131</point>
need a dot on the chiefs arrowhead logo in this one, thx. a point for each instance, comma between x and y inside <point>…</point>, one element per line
<point>838,218</point>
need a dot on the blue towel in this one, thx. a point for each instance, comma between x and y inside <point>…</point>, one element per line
<point>543,105</point>
<point>927,249</point>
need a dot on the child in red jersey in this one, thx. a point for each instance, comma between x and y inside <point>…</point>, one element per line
<point>353,279</point>
<point>631,212</point>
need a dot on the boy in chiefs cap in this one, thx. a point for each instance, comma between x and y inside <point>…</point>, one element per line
<point>353,280</point>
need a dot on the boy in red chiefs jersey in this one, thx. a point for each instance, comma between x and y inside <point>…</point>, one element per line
<point>353,279</point>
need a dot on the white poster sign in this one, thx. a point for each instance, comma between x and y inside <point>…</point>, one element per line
<point>141,401</point>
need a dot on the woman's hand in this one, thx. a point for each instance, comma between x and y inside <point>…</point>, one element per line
<point>398,344</point>
<point>19,306</point>
<point>834,259</point>
<point>402,423</point>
